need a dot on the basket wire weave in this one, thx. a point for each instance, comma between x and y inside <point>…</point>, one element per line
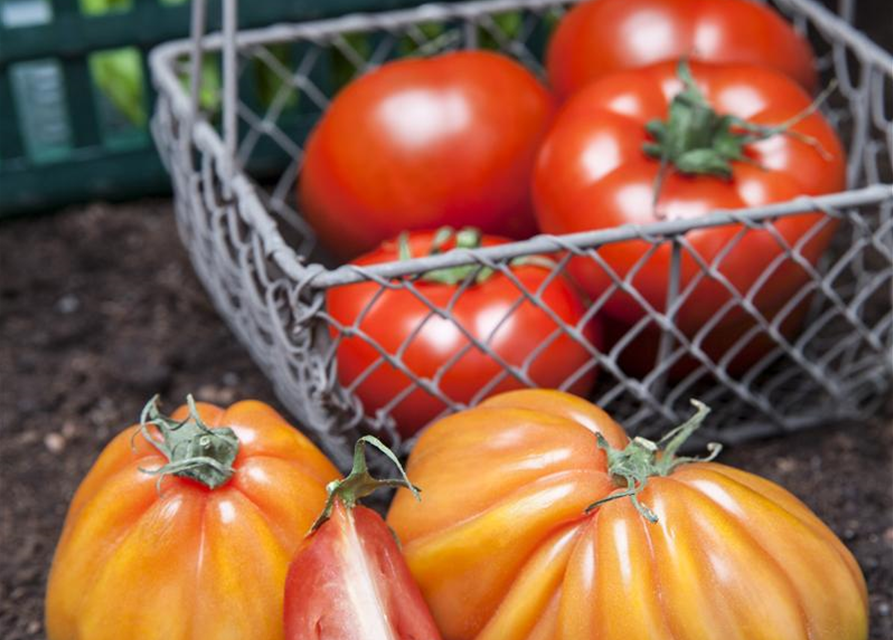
<point>234,176</point>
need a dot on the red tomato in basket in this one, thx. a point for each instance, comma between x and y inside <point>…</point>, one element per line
<point>593,172</point>
<point>418,144</point>
<point>600,37</point>
<point>399,322</point>
<point>349,580</point>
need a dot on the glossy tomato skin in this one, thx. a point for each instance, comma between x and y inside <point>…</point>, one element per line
<point>507,553</point>
<point>417,144</point>
<point>483,310</point>
<point>592,174</point>
<point>600,37</point>
<point>189,562</point>
<point>349,581</point>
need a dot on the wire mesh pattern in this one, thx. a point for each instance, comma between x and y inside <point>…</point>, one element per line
<point>824,353</point>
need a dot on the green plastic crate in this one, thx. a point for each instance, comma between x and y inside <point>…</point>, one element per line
<point>75,96</point>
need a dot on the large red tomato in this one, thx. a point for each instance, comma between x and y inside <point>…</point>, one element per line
<point>599,168</point>
<point>349,580</point>
<point>418,144</point>
<point>530,531</point>
<point>600,37</point>
<point>492,309</point>
<point>202,553</point>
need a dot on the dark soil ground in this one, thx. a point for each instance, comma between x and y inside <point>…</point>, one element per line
<point>99,310</point>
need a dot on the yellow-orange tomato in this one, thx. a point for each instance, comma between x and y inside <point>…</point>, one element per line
<point>505,548</point>
<point>183,561</point>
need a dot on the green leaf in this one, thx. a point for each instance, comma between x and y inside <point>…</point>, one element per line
<point>118,74</point>
<point>269,83</point>
<point>344,67</point>
<point>104,7</point>
<point>210,91</point>
<point>510,23</point>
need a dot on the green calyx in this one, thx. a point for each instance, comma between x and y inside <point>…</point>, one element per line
<point>360,483</point>
<point>465,238</point>
<point>193,450</point>
<point>642,459</point>
<point>696,140</point>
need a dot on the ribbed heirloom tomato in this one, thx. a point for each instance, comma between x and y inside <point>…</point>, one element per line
<point>673,142</point>
<point>431,330</point>
<point>532,531</point>
<point>601,37</point>
<point>203,553</point>
<point>418,144</point>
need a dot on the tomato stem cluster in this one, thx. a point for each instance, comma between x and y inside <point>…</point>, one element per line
<point>696,140</point>
<point>643,458</point>
<point>360,483</point>
<point>192,449</point>
<point>465,238</point>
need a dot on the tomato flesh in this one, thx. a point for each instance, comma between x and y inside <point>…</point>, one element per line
<point>350,582</point>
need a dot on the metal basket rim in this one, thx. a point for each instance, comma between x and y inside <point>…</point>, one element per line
<point>254,213</point>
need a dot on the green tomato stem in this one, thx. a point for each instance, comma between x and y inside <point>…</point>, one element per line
<point>696,140</point>
<point>360,483</point>
<point>193,450</point>
<point>641,459</point>
<point>465,238</point>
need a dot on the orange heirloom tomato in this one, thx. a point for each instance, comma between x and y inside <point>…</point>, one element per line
<point>203,554</point>
<point>523,536</point>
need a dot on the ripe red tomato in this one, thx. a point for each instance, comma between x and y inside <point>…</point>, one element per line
<point>603,36</point>
<point>596,170</point>
<point>349,580</point>
<point>492,310</point>
<point>418,144</point>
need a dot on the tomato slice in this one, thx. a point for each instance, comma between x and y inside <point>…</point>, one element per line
<point>349,580</point>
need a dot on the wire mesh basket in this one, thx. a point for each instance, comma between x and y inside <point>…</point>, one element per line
<point>235,173</point>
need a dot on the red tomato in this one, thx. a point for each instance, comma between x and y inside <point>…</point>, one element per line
<point>349,580</point>
<point>604,36</point>
<point>592,173</point>
<point>438,349</point>
<point>418,144</point>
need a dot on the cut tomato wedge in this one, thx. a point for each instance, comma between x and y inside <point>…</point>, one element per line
<point>349,580</point>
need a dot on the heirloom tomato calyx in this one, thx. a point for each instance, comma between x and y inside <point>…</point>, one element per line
<point>642,459</point>
<point>696,140</point>
<point>193,449</point>
<point>360,483</point>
